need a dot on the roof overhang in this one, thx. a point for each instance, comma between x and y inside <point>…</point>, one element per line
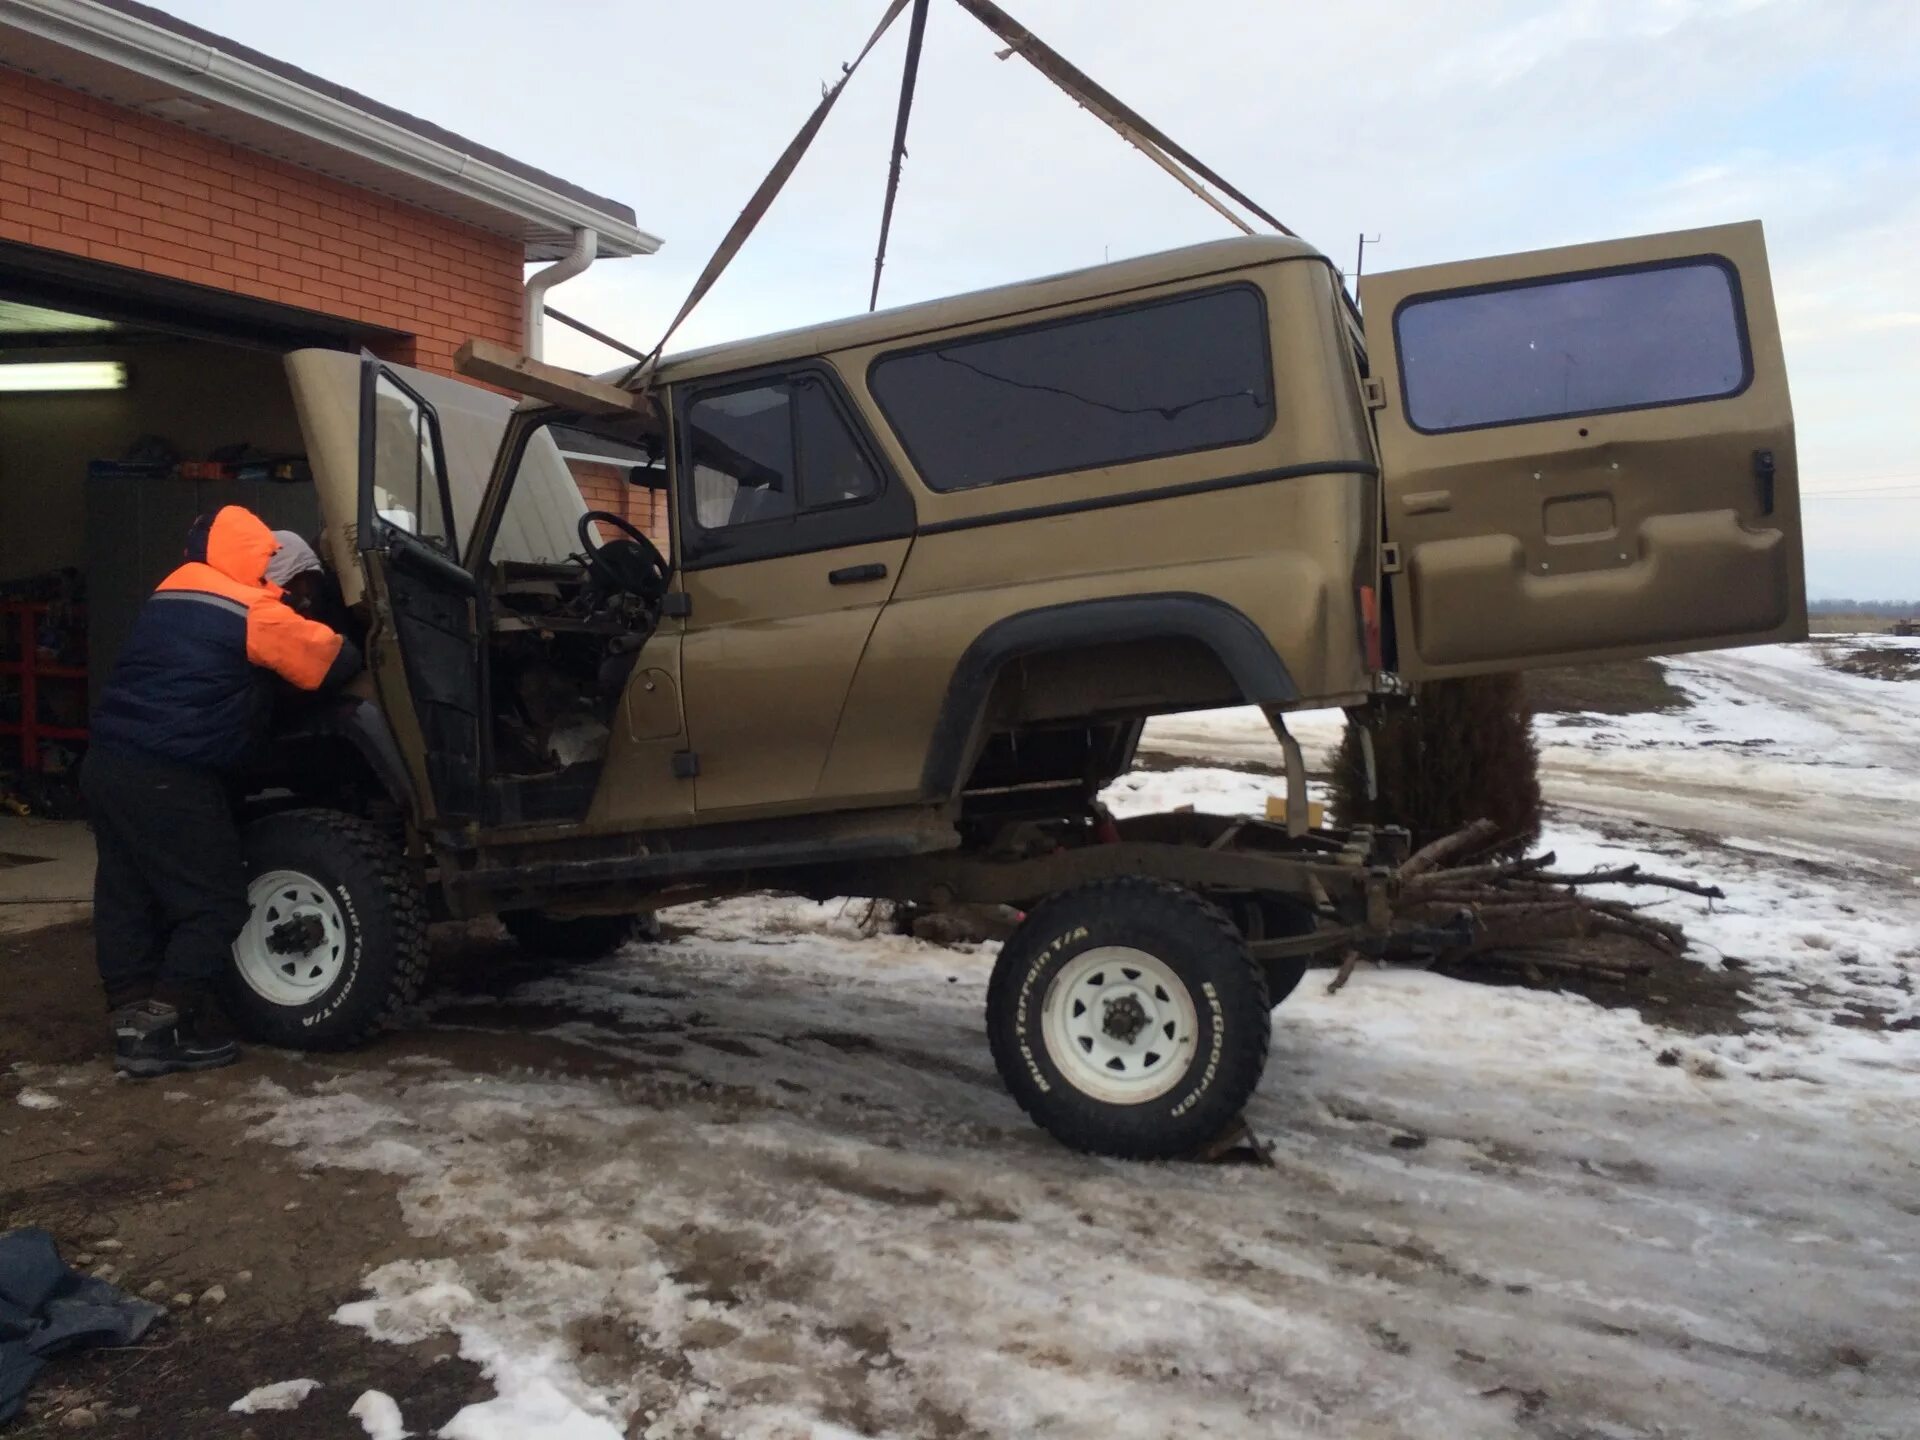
<point>131,55</point>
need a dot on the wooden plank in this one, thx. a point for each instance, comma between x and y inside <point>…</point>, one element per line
<point>496,364</point>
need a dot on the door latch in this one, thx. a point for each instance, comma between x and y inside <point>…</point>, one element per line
<point>1390,557</point>
<point>1763,471</point>
<point>1373,390</point>
<point>686,764</point>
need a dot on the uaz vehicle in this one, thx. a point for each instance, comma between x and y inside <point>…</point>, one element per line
<point>929,572</point>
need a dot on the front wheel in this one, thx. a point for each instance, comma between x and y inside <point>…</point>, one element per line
<point>1128,1019</point>
<point>336,935</point>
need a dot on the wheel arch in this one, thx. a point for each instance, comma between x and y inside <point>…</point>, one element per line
<point>350,726</point>
<point>1234,641</point>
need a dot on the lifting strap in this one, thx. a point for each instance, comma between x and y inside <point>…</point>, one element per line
<point>768,192</point>
<point>908,74</point>
<point>1137,131</point>
<point>1142,134</point>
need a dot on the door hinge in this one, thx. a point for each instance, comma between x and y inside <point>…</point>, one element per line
<point>1374,391</point>
<point>676,604</point>
<point>1390,557</point>
<point>686,764</point>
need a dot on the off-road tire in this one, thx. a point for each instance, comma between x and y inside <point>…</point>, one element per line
<point>386,925</point>
<point>576,938</point>
<point>1186,935</point>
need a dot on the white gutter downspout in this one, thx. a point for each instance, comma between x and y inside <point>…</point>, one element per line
<point>586,245</point>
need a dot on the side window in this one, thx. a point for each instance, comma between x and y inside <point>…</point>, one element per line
<point>1572,345</point>
<point>1191,373</point>
<point>834,470</point>
<point>741,444</point>
<point>409,486</point>
<point>767,467</point>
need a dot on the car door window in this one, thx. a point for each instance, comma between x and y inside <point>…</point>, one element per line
<point>780,467</point>
<point>741,443</point>
<point>409,489</point>
<point>833,468</point>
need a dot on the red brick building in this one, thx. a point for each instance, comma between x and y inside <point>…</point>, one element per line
<point>188,209</point>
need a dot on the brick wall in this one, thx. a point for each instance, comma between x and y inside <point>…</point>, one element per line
<point>81,176</point>
<point>605,488</point>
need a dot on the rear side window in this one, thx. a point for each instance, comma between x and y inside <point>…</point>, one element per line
<point>1573,345</point>
<point>1191,373</point>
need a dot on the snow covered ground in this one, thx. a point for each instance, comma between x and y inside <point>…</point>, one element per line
<point>762,1181</point>
<point>1778,750</point>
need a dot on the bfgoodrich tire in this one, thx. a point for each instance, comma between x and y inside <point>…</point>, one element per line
<point>574,938</point>
<point>336,938</point>
<point>1128,1019</point>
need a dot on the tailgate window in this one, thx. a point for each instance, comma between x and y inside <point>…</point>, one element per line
<point>1582,344</point>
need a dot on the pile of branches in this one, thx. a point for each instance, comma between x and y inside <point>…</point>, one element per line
<point>1500,912</point>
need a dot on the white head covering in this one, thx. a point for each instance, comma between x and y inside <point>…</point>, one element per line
<point>294,557</point>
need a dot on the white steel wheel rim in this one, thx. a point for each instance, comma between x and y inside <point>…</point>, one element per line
<point>1120,1024</point>
<point>295,943</point>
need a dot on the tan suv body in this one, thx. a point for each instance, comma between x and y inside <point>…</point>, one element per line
<point>928,571</point>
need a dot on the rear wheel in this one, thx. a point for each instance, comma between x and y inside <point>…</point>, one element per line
<point>336,936</point>
<point>1128,1019</point>
<point>576,937</point>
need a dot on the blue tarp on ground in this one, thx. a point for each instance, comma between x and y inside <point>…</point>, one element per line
<point>45,1308</point>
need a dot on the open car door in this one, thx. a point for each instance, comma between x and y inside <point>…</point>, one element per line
<point>409,545</point>
<point>1587,454</point>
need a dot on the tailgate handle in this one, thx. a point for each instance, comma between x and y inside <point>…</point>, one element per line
<point>1763,472</point>
<point>1427,502</point>
<point>857,574</point>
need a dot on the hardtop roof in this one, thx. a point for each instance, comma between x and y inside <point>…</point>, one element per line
<point>905,321</point>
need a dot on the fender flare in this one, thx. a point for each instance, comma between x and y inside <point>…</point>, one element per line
<point>1236,642</point>
<point>361,725</point>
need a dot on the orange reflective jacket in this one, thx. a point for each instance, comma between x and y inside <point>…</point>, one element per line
<point>186,686</point>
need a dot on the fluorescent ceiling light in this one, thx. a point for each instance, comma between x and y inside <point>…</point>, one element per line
<point>63,375</point>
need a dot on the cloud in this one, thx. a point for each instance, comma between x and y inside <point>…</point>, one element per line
<point>1451,130</point>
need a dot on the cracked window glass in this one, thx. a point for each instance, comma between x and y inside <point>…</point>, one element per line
<point>1165,378</point>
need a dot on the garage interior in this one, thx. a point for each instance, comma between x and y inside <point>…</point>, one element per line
<point>129,404</point>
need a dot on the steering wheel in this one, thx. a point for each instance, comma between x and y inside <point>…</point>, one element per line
<point>631,564</point>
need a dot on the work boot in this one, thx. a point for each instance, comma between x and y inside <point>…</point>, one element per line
<point>153,1038</point>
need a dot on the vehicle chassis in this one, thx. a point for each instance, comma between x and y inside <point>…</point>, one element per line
<point>1342,877</point>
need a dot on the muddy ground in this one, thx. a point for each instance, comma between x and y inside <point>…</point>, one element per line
<point>155,1179</point>
<point>158,1180</point>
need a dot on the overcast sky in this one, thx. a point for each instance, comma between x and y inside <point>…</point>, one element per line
<point>1451,130</point>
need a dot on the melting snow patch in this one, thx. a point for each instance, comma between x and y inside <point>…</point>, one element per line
<point>788,1197</point>
<point>379,1416</point>
<point>528,1409</point>
<point>281,1395</point>
<point>39,1100</point>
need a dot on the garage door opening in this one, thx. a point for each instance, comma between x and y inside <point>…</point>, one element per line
<point>128,405</point>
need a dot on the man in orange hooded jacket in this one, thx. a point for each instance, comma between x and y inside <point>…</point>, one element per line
<point>185,704</point>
